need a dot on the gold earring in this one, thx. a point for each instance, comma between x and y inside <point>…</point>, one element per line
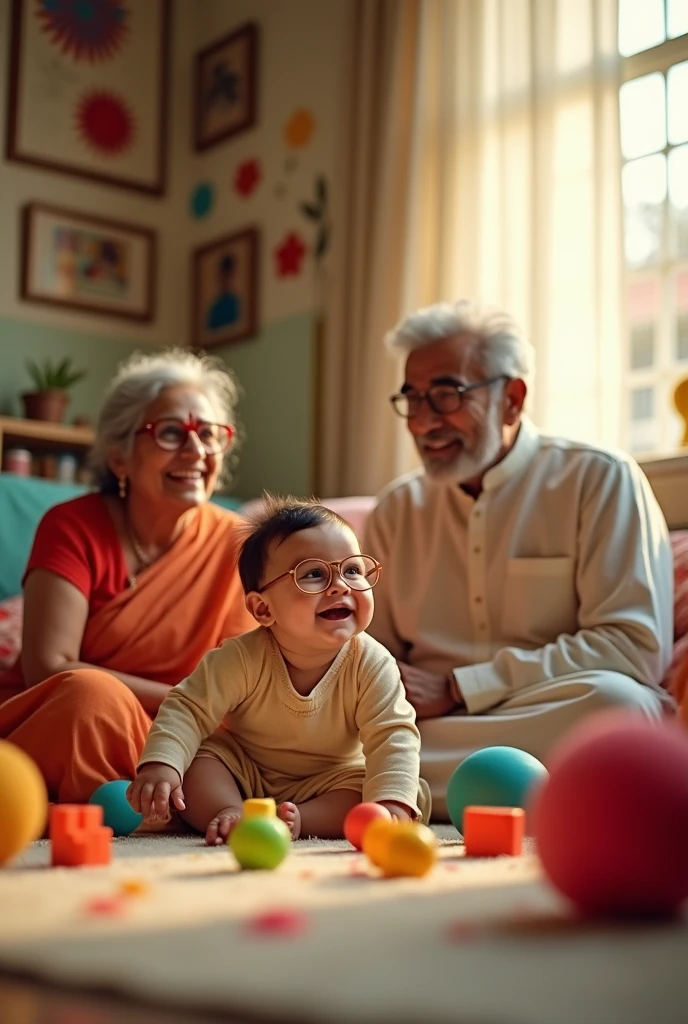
<point>122,487</point>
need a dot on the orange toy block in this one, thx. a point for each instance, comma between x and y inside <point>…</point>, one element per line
<point>493,831</point>
<point>78,836</point>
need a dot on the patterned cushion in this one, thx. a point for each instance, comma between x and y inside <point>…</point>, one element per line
<point>10,630</point>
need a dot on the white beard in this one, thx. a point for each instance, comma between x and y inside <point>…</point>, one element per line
<point>469,465</point>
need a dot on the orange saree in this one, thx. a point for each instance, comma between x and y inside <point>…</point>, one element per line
<point>85,727</point>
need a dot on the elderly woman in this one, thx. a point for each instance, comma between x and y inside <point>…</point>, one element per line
<point>126,588</point>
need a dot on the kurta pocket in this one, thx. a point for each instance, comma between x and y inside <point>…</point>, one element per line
<point>540,600</point>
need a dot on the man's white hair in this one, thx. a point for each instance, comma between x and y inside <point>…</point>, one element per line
<point>503,348</point>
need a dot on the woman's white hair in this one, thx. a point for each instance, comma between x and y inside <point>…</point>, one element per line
<point>503,348</point>
<point>137,383</point>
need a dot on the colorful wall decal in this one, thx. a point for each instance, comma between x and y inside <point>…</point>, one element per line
<point>90,30</point>
<point>106,122</point>
<point>247,177</point>
<point>299,129</point>
<point>83,262</point>
<point>317,211</point>
<point>226,87</point>
<point>289,256</point>
<point>88,89</point>
<point>202,199</point>
<point>225,289</point>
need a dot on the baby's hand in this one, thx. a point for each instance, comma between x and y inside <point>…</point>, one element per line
<point>399,812</point>
<point>153,788</point>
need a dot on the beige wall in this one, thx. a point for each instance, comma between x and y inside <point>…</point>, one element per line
<point>302,65</point>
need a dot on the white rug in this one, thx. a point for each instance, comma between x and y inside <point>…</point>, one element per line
<point>475,942</point>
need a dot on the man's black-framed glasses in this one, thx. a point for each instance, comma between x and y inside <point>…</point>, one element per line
<point>442,398</point>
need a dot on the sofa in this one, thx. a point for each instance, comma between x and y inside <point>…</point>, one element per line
<point>23,501</point>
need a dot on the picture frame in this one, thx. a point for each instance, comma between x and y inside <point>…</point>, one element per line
<point>225,289</point>
<point>83,262</point>
<point>89,98</point>
<point>225,91</point>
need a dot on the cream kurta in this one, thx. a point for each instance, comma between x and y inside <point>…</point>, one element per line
<point>559,573</point>
<point>563,563</point>
<point>355,730</point>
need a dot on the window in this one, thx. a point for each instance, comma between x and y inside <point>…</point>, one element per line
<point>653,108</point>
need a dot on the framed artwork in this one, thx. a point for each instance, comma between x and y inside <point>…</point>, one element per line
<point>86,263</point>
<point>88,89</point>
<point>225,87</point>
<point>225,290</point>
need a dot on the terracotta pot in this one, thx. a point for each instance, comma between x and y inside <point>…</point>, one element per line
<point>48,406</point>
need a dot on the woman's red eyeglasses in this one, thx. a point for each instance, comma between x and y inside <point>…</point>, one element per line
<point>171,434</point>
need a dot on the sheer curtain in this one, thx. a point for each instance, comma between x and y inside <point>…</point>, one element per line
<point>512,196</point>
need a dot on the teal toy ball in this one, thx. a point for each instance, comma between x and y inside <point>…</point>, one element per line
<point>260,843</point>
<point>117,811</point>
<point>493,777</point>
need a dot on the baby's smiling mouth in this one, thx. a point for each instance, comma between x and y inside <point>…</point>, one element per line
<point>334,614</point>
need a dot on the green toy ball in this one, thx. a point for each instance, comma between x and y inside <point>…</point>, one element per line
<point>260,843</point>
<point>493,777</point>
<point>117,811</point>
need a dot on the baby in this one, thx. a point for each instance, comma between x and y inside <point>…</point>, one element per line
<point>306,708</point>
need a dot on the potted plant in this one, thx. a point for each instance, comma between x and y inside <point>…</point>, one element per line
<point>50,397</point>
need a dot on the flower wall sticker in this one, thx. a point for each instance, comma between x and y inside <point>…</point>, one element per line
<point>247,177</point>
<point>299,129</point>
<point>317,211</point>
<point>289,256</point>
<point>89,30</point>
<point>105,122</point>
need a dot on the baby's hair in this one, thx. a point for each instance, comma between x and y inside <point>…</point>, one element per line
<point>277,519</point>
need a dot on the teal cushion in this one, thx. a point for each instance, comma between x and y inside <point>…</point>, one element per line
<point>23,500</point>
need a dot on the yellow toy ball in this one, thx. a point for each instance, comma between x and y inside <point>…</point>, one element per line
<point>23,801</point>
<point>410,852</point>
<point>377,836</point>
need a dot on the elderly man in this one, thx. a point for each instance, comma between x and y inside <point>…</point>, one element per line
<point>527,579</point>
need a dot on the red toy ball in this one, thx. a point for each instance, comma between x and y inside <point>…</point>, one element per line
<point>358,819</point>
<point>611,821</point>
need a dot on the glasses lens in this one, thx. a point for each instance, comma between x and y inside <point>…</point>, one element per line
<point>312,576</point>
<point>360,572</point>
<point>444,399</point>
<point>169,434</point>
<point>213,436</point>
<point>401,405</point>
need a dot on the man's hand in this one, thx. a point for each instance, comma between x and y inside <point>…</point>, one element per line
<point>152,790</point>
<point>431,693</point>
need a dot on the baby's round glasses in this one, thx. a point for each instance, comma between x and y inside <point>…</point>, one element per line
<point>171,434</point>
<point>314,576</point>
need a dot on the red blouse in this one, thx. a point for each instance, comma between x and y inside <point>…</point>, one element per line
<point>78,541</point>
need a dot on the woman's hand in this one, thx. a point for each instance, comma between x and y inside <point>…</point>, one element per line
<point>152,790</point>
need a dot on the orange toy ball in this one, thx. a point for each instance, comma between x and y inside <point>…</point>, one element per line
<point>23,801</point>
<point>377,837</point>
<point>410,852</point>
<point>611,821</point>
<point>359,818</point>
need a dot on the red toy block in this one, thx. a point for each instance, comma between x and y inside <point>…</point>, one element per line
<point>493,831</point>
<point>78,836</point>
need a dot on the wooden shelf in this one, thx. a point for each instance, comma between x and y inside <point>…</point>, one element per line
<point>54,434</point>
<point>46,442</point>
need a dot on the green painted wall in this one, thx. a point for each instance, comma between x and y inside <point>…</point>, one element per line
<point>21,340</point>
<point>276,374</point>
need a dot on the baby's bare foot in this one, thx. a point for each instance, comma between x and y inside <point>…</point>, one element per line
<point>291,816</point>
<point>221,825</point>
